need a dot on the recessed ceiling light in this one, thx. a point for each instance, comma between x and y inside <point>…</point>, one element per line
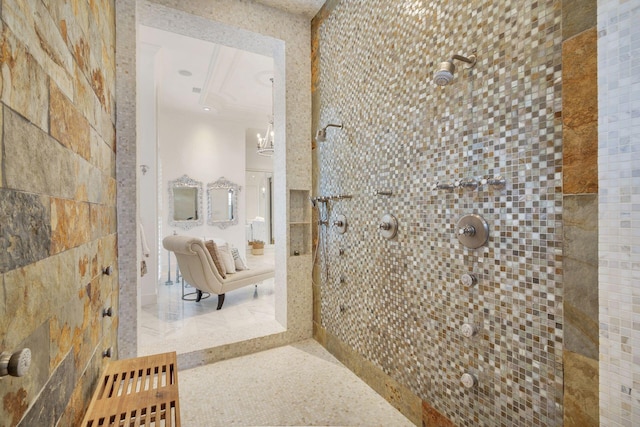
<point>206,108</point>
<point>185,73</point>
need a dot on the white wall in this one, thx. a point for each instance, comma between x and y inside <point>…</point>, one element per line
<point>205,149</point>
<point>147,183</point>
<point>619,211</point>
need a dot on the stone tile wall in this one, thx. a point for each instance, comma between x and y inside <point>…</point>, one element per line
<point>393,308</point>
<point>580,212</point>
<point>57,203</point>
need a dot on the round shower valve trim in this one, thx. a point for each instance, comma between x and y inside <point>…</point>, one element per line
<point>341,224</point>
<point>472,231</point>
<point>468,330</point>
<point>468,380</point>
<point>388,226</point>
<point>468,279</point>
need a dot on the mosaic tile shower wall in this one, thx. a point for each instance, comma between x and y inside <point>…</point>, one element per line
<point>400,303</point>
<point>619,211</point>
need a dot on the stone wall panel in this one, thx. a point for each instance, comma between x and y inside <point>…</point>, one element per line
<point>1,139</point>
<point>581,274</point>
<point>25,230</point>
<point>55,396</point>
<point>68,126</point>
<point>20,392</point>
<point>85,99</point>
<point>70,224</point>
<point>24,84</point>
<point>580,113</point>
<point>35,162</point>
<point>101,154</point>
<point>58,162</point>
<point>31,22</point>
<point>85,386</point>
<point>36,292</point>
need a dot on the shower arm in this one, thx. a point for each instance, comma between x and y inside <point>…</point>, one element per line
<point>470,60</point>
<point>333,125</point>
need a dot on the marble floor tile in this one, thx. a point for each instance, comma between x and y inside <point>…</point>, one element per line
<point>300,384</point>
<point>173,324</point>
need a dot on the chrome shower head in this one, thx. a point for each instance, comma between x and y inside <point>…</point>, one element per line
<point>444,75</point>
<point>321,136</point>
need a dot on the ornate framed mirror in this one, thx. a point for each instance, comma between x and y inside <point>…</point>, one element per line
<point>185,203</point>
<point>222,203</point>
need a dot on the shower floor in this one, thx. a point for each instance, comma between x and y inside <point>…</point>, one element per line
<point>300,384</point>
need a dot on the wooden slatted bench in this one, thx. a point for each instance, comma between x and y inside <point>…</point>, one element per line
<point>137,392</point>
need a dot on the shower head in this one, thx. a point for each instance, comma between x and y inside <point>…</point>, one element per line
<point>321,136</point>
<point>444,75</point>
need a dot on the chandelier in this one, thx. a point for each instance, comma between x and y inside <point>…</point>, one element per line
<point>265,143</point>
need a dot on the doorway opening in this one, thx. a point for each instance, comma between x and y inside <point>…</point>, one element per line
<point>199,104</point>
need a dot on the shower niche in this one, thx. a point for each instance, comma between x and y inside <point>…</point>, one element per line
<point>299,223</point>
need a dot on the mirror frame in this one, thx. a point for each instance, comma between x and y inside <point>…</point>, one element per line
<point>185,182</point>
<point>224,183</point>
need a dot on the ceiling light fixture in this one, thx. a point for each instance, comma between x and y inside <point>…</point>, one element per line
<point>206,108</point>
<point>185,73</point>
<point>265,143</point>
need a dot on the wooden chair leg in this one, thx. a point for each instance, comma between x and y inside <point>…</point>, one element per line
<point>220,301</point>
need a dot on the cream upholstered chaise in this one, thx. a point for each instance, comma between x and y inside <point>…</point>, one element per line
<point>198,269</point>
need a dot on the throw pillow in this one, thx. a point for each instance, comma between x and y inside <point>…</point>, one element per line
<point>237,259</point>
<point>227,259</point>
<point>216,257</point>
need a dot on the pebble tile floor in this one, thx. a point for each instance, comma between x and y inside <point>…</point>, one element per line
<point>296,385</point>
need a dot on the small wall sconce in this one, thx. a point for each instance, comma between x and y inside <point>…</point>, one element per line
<point>144,169</point>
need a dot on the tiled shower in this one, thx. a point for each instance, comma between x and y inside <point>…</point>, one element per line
<point>399,305</point>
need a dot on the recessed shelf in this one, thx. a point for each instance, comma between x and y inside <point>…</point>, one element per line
<point>299,222</point>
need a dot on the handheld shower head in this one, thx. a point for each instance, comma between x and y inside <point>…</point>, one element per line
<point>321,136</point>
<point>444,75</point>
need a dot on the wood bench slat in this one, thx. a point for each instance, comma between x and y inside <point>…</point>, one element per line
<point>136,392</point>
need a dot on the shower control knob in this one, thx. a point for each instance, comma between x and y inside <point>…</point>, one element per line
<point>469,280</point>
<point>472,231</point>
<point>468,330</point>
<point>15,364</point>
<point>341,224</point>
<point>468,380</point>
<point>467,230</point>
<point>388,226</point>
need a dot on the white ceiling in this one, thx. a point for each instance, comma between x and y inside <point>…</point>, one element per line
<point>233,84</point>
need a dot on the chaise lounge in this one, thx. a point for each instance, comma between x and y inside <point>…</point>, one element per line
<point>198,269</point>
